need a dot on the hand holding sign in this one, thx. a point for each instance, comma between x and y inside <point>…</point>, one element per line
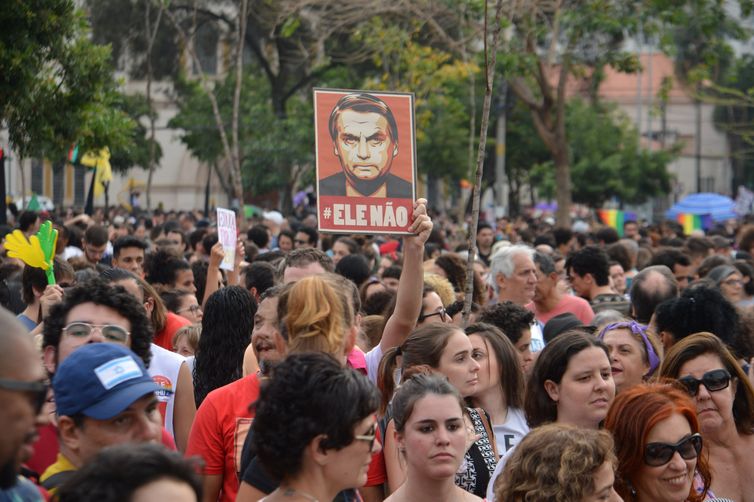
<point>226,233</point>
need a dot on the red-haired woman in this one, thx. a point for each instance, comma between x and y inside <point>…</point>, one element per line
<point>668,465</point>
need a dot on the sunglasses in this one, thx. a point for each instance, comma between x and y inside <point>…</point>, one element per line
<point>657,454</point>
<point>368,437</point>
<point>37,391</point>
<point>442,313</point>
<point>713,381</point>
<point>111,332</point>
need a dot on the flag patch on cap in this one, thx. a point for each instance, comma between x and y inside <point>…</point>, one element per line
<point>117,371</point>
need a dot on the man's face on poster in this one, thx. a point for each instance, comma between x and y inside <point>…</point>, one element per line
<point>364,145</point>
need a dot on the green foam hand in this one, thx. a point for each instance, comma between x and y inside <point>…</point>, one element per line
<point>48,239</point>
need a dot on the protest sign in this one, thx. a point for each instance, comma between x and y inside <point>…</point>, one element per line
<point>226,233</point>
<point>366,161</point>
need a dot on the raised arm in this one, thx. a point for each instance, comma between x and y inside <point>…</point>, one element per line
<point>408,303</point>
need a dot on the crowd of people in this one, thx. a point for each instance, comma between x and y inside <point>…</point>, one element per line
<point>591,365</point>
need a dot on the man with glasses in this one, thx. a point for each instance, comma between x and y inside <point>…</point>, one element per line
<point>89,313</point>
<point>95,312</point>
<point>306,237</point>
<point>103,396</point>
<point>549,301</point>
<point>22,394</point>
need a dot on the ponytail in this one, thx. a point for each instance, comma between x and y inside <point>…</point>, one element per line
<point>386,377</point>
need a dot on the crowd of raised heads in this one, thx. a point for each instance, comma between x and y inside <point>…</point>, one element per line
<point>587,363</point>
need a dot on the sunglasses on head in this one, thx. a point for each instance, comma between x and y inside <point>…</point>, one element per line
<point>713,381</point>
<point>36,390</point>
<point>657,454</point>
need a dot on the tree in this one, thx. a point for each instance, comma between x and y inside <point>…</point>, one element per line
<point>405,60</point>
<point>56,86</point>
<point>266,150</point>
<point>141,146</point>
<point>551,41</point>
<point>605,157</point>
<point>555,44</point>
<point>229,138</point>
<point>734,116</point>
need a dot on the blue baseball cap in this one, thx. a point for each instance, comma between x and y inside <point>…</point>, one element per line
<point>100,380</point>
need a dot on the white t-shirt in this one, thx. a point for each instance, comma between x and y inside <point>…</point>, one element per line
<point>373,358</point>
<point>164,368</point>
<point>508,435</point>
<point>537,339</point>
<point>498,471</point>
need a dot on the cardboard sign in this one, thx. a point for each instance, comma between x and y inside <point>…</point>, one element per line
<point>226,233</point>
<point>366,161</point>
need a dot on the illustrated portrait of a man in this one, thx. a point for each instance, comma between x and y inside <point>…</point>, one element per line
<point>365,139</point>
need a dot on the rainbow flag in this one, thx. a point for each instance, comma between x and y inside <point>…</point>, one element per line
<point>691,222</point>
<point>612,218</point>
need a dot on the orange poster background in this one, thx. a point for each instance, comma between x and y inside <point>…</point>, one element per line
<point>401,106</point>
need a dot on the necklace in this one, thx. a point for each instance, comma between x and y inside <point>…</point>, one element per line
<point>290,492</point>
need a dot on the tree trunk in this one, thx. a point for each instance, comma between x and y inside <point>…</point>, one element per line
<point>152,35</point>
<point>490,59</point>
<point>236,148</point>
<point>562,184</point>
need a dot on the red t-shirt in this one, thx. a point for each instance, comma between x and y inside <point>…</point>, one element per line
<point>173,323</point>
<point>219,431</point>
<point>573,304</point>
<point>46,448</point>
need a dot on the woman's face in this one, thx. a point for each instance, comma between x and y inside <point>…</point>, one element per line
<point>350,465</point>
<point>626,358</point>
<point>732,288</point>
<point>523,346</point>
<point>489,367</point>
<point>339,250</point>
<point>604,479</point>
<point>670,482</point>
<point>586,390</point>
<point>285,243</point>
<point>433,310</point>
<point>190,309</point>
<point>714,409</point>
<point>456,363</point>
<point>182,347</point>
<point>618,276</point>
<point>434,437</point>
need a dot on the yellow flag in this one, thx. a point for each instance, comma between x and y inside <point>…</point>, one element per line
<point>101,162</point>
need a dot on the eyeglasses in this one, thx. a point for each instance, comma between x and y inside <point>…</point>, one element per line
<point>733,282</point>
<point>713,380</point>
<point>368,437</point>
<point>301,241</point>
<point>37,390</point>
<point>192,308</point>
<point>657,454</point>
<point>111,332</point>
<point>442,313</point>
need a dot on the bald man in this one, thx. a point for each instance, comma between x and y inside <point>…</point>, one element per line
<point>652,286</point>
<point>22,393</point>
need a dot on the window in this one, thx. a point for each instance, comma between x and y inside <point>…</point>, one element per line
<point>205,44</point>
